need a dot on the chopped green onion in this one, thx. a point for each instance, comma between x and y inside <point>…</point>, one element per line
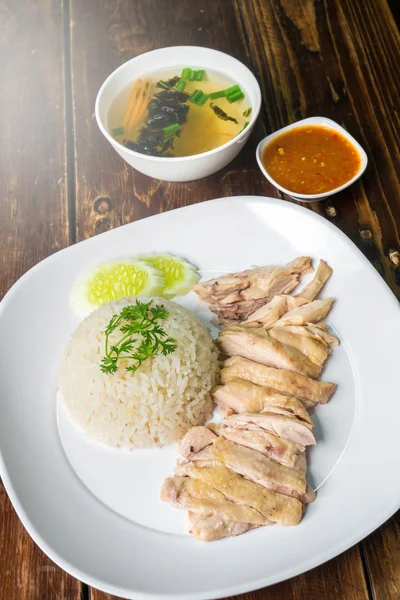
<point>171,129</point>
<point>163,85</point>
<point>232,90</point>
<point>118,131</point>
<point>203,99</point>
<point>193,75</point>
<point>247,112</point>
<point>180,86</point>
<point>244,127</point>
<point>199,74</point>
<point>195,96</point>
<point>186,73</point>
<point>215,95</point>
<point>235,97</point>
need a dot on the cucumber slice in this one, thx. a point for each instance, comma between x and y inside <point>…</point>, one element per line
<point>180,276</point>
<point>115,279</point>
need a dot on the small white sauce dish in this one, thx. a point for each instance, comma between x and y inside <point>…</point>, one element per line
<point>312,121</point>
<point>187,168</point>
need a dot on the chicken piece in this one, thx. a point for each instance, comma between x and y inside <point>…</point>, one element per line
<point>236,312</point>
<point>288,428</point>
<point>308,313</point>
<point>319,331</point>
<point>317,351</point>
<point>215,527</point>
<point>199,497</point>
<point>257,345</point>
<point>259,281</point>
<point>321,276</point>
<point>274,507</point>
<point>284,451</point>
<point>259,468</point>
<point>244,396</point>
<point>310,392</point>
<point>269,313</point>
<point>195,440</point>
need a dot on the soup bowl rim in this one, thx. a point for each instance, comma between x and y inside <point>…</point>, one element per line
<point>318,120</point>
<point>240,138</point>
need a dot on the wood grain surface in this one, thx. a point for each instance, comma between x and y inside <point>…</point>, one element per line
<point>62,182</point>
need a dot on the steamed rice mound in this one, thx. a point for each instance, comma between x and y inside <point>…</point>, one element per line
<point>159,402</point>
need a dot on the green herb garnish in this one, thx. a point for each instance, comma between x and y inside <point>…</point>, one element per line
<point>171,129</point>
<point>198,97</point>
<point>186,73</point>
<point>118,131</point>
<point>247,112</point>
<point>180,86</point>
<point>215,95</point>
<point>142,336</point>
<point>199,75</point>
<point>235,96</point>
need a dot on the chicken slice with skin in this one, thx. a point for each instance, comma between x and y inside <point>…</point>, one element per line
<point>289,428</point>
<point>259,468</point>
<point>309,391</point>
<point>308,313</point>
<point>317,330</point>
<point>321,276</point>
<point>258,280</point>
<point>257,345</point>
<point>316,351</point>
<point>242,396</point>
<point>195,440</point>
<point>215,527</point>
<point>284,451</point>
<point>271,312</point>
<point>199,497</point>
<point>274,507</point>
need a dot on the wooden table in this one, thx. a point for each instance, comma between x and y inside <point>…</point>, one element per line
<point>61,182</point>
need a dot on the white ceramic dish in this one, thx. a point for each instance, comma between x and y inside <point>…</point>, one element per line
<point>96,512</point>
<point>181,168</point>
<point>312,121</point>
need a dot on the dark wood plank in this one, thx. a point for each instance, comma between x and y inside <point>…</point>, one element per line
<point>382,556</point>
<point>104,35</point>
<point>33,224</point>
<point>341,59</point>
<point>339,579</point>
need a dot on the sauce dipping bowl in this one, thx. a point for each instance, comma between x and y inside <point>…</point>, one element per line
<point>186,168</point>
<point>312,121</point>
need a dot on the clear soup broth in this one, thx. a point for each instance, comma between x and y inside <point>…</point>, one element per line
<point>168,114</point>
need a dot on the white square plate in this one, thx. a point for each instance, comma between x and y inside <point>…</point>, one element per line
<point>96,512</point>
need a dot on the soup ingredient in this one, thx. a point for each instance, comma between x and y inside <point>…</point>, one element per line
<point>179,275</point>
<point>112,280</point>
<point>155,405</point>
<point>142,336</point>
<point>309,391</point>
<point>140,96</point>
<point>311,159</point>
<point>221,114</point>
<point>183,100</point>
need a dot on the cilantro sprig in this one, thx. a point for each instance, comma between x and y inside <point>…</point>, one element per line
<point>142,336</point>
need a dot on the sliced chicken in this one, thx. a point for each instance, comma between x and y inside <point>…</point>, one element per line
<point>321,276</point>
<point>256,344</point>
<point>195,440</point>
<point>286,427</point>
<point>320,332</point>
<point>242,395</point>
<point>215,527</point>
<point>316,350</point>
<point>309,391</point>
<point>284,451</point>
<point>269,313</point>
<point>235,296</point>
<point>308,313</point>
<point>259,468</point>
<point>259,281</point>
<point>274,507</point>
<point>199,497</point>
